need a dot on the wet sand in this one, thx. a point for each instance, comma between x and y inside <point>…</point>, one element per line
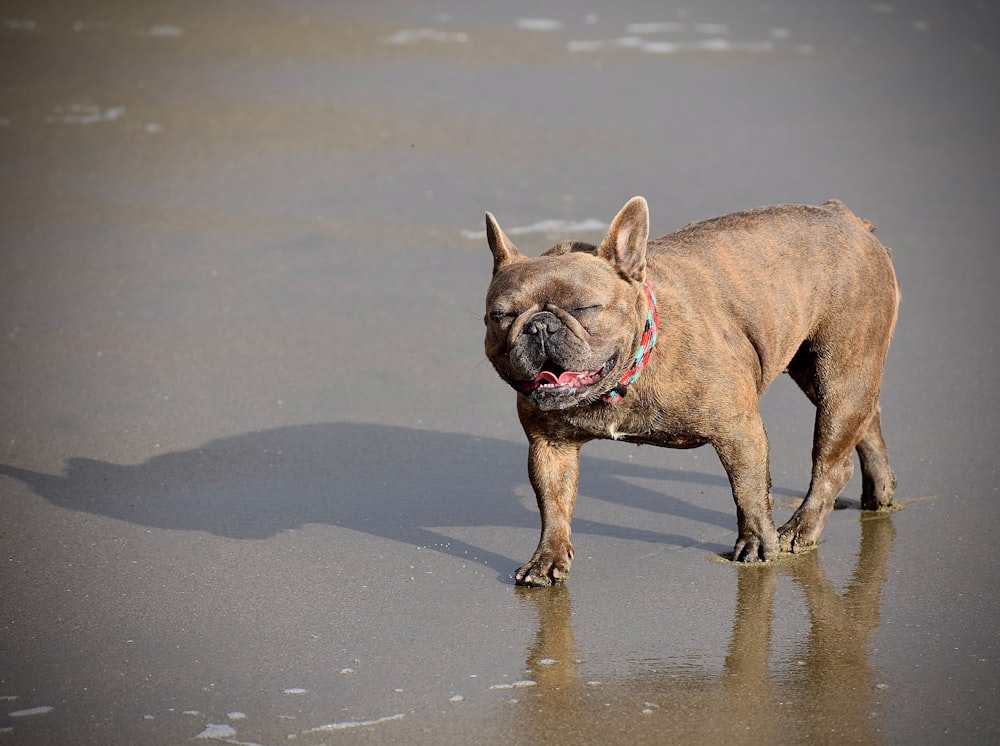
<point>259,483</point>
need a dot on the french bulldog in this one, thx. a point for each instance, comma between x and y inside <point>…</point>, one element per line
<point>671,342</point>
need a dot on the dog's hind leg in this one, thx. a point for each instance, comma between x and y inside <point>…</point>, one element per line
<point>877,480</point>
<point>846,417</point>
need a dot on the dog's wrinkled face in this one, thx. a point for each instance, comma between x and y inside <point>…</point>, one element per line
<point>560,327</point>
<point>557,339</point>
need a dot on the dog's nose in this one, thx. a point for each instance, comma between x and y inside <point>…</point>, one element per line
<point>542,325</point>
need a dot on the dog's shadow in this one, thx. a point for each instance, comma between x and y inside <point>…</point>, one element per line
<point>392,482</point>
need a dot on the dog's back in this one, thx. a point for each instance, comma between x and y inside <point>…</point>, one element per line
<point>784,274</point>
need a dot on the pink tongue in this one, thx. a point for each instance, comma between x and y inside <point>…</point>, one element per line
<point>549,377</point>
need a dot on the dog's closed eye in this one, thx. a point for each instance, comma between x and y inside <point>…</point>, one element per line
<point>498,316</point>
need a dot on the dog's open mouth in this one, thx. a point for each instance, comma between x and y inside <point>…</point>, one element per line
<point>554,380</point>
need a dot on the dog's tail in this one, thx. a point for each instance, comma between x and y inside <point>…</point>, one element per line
<point>838,206</point>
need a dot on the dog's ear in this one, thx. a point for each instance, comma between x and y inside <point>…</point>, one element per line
<point>625,245</point>
<point>504,252</point>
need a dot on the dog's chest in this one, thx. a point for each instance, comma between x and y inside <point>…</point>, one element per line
<point>663,439</point>
<point>626,426</point>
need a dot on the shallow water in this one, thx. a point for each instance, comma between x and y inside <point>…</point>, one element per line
<point>260,484</point>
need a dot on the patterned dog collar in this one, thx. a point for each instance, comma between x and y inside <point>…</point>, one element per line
<point>646,345</point>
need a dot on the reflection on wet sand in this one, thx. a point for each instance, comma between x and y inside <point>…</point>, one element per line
<point>828,691</point>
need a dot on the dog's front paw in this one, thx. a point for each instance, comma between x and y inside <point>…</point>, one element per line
<point>799,534</point>
<point>547,566</point>
<point>756,547</point>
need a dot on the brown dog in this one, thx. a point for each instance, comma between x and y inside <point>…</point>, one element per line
<point>672,343</point>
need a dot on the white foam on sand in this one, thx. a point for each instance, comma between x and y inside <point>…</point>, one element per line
<point>670,47</point>
<point>546,226</point>
<point>656,27</point>
<point>217,731</point>
<point>413,36</point>
<point>516,684</point>
<point>353,724</point>
<point>539,24</point>
<point>30,712</point>
<point>638,38</point>
<point>84,114</point>
<point>164,30</point>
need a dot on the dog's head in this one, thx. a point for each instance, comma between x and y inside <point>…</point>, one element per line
<point>562,328</point>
